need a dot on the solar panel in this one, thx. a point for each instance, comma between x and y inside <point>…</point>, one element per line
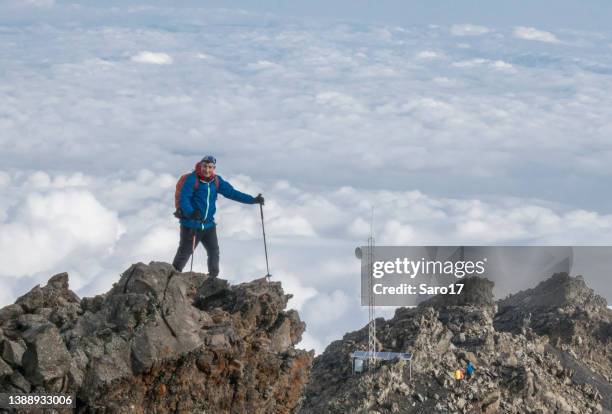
<point>385,356</point>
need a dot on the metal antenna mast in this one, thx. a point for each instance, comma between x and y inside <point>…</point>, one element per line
<point>371,302</point>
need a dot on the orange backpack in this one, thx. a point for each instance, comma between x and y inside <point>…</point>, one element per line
<point>179,187</point>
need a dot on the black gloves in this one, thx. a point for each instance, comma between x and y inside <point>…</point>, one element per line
<point>259,199</point>
<point>194,216</point>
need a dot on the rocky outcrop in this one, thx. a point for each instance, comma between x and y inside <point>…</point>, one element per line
<point>575,320</point>
<point>519,368</point>
<point>159,341</point>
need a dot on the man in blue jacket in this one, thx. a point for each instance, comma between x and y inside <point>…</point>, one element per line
<point>197,206</point>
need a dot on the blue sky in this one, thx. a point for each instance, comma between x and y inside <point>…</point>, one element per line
<point>547,14</point>
<point>593,15</point>
<point>460,125</point>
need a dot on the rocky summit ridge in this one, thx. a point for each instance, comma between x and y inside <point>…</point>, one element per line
<point>159,341</point>
<point>543,350</point>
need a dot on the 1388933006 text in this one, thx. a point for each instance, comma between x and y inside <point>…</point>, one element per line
<point>16,401</point>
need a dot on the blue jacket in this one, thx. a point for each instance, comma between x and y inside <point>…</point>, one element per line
<point>204,199</point>
<point>469,369</point>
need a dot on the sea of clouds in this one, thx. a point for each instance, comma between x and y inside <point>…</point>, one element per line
<point>455,134</point>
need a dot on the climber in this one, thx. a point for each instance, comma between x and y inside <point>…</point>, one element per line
<point>458,374</point>
<point>195,198</point>
<point>469,370</point>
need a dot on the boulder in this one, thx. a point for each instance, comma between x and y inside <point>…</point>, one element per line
<point>46,356</point>
<point>5,369</point>
<point>12,352</point>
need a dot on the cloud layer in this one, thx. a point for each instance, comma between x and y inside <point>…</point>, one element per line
<point>459,134</point>
<point>529,33</point>
<point>152,58</point>
<point>468,30</point>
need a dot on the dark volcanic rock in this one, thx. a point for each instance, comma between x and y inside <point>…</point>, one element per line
<point>46,357</point>
<point>158,341</point>
<point>559,291</point>
<point>571,315</point>
<point>12,352</point>
<point>552,308</point>
<point>54,294</point>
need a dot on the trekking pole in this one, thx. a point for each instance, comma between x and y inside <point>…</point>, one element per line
<point>263,229</point>
<point>193,244</point>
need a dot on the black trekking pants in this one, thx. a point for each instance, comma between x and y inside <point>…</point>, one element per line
<point>208,237</point>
